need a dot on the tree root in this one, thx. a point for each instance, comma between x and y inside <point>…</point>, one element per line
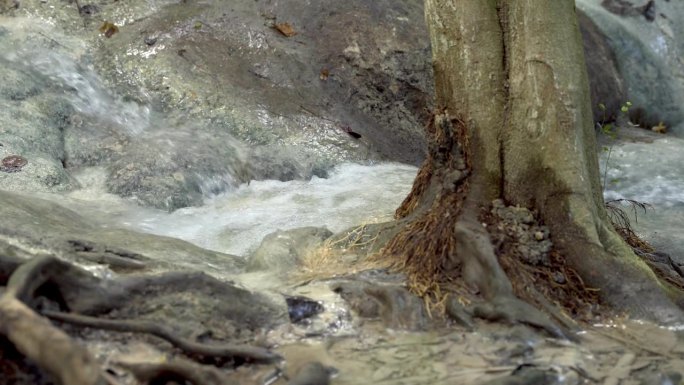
<point>48,281</point>
<point>512,310</point>
<point>51,349</point>
<point>224,351</point>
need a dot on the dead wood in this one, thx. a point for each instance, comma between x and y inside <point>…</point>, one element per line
<point>224,351</point>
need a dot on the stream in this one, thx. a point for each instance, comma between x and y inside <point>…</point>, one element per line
<point>236,218</point>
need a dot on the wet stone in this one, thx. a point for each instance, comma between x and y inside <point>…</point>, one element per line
<point>13,163</point>
<point>301,308</point>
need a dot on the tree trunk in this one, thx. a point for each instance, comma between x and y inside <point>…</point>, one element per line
<point>513,72</point>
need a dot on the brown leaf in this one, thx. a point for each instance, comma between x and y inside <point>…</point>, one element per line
<point>286,29</point>
<point>108,29</point>
<point>325,73</point>
<point>661,128</point>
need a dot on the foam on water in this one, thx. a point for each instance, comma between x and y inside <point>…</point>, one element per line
<point>648,172</point>
<point>235,222</point>
<point>651,173</point>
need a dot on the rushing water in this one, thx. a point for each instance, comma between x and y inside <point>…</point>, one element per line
<point>235,222</point>
<point>651,172</point>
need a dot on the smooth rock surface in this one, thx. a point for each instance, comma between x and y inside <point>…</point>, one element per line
<point>649,47</point>
<point>283,250</point>
<point>40,225</point>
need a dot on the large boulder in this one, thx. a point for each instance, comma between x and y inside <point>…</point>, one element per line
<point>607,89</point>
<point>38,224</point>
<point>647,39</point>
<point>189,99</point>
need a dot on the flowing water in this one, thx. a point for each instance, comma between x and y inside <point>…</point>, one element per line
<point>235,222</point>
<point>650,170</point>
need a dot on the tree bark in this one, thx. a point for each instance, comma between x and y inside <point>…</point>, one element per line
<point>514,72</point>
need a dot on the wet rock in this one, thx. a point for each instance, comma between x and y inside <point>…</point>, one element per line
<point>527,375</point>
<point>264,88</point>
<point>18,84</point>
<point>283,250</point>
<point>312,373</point>
<point>174,170</point>
<point>607,86</point>
<point>394,305</point>
<point>6,6</point>
<point>648,54</point>
<point>39,224</point>
<point>301,308</point>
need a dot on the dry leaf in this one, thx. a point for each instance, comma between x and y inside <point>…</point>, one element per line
<point>109,29</point>
<point>661,128</point>
<point>324,74</point>
<point>286,29</point>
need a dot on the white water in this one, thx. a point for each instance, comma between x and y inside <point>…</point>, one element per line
<point>63,66</point>
<point>652,173</point>
<point>235,222</point>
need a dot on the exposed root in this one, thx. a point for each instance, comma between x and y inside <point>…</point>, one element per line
<point>662,265</point>
<point>554,280</point>
<point>50,348</point>
<point>193,349</point>
<point>49,283</point>
<point>622,224</point>
<point>342,256</point>
<point>425,246</point>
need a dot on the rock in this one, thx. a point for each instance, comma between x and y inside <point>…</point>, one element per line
<point>396,307</point>
<point>527,375</point>
<point>177,169</point>
<point>648,53</point>
<point>283,250</point>
<point>38,224</point>
<point>233,77</point>
<point>606,83</point>
<point>312,373</point>
<point>6,6</point>
<point>301,308</point>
